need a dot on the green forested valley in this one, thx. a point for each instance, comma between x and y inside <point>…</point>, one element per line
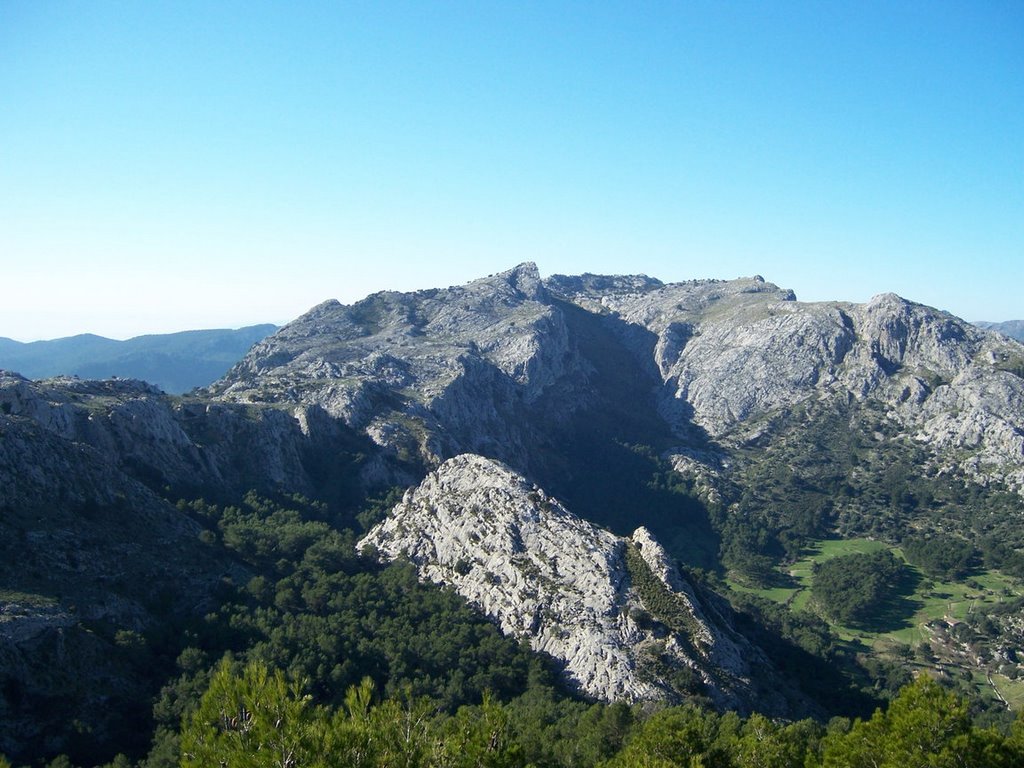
<point>316,655</point>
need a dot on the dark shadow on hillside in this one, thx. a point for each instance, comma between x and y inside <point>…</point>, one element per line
<point>605,461</point>
<point>828,676</point>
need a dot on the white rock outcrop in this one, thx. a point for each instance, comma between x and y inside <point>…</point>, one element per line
<point>563,584</point>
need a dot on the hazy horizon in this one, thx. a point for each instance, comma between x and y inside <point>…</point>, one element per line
<point>179,166</point>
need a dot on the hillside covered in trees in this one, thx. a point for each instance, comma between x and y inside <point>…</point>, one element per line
<point>319,656</point>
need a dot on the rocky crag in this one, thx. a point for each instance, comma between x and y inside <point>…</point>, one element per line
<point>731,354</point>
<point>186,445</point>
<point>613,610</point>
<point>429,374</point>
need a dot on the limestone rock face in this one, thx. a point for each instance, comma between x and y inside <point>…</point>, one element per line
<point>731,354</point>
<point>563,584</point>
<point>487,367</point>
<point>434,372</point>
<point>979,413</point>
<point>490,366</point>
<point>184,443</point>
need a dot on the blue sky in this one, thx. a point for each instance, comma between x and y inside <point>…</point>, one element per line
<point>179,165</point>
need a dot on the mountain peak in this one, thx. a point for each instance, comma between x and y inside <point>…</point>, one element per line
<point>524,279</point>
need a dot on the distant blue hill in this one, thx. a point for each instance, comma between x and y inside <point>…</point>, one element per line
<point>1012,328</point>
<point>175,362</point>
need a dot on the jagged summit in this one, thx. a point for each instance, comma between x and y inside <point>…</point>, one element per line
<point>525,279</point>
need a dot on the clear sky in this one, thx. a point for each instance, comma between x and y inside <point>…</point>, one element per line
<point>176,165</point>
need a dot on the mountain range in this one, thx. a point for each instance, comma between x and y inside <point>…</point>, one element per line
<point>641,481</point>
<point>175,362</point>
<point>1012,328</point>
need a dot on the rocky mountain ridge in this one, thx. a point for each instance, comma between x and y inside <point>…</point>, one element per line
<point>181,443</point>
<point>475,368</point>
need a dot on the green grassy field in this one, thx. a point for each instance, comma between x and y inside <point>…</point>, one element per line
<point>1011,690</point>
<point>798,594</point>
<point>930,599</point>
